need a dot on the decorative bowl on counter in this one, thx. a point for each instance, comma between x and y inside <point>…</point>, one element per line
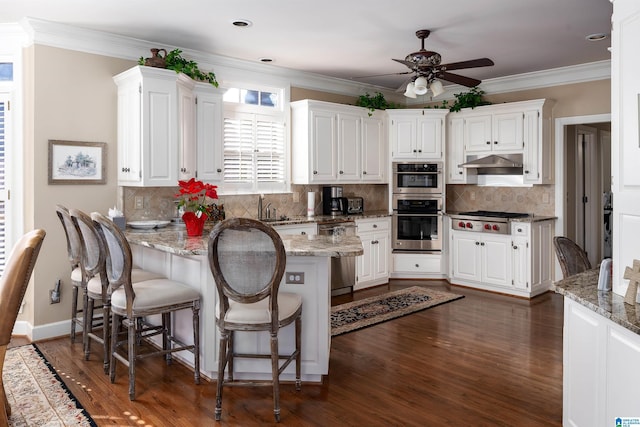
<point>147,225</point>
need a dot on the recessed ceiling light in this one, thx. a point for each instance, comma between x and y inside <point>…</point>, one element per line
<point>596,37</point>
<point>242,23</point>
<point>266,59</point>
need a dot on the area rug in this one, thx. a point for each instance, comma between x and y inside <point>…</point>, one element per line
<point>37,395</point>
<point>370,311</point>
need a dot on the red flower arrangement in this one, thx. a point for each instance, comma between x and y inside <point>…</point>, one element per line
<point>193,195</point>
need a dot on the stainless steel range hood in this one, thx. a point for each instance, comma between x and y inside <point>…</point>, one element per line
<point>493,164</point>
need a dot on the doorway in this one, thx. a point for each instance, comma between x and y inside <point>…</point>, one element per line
<point>583,183</point>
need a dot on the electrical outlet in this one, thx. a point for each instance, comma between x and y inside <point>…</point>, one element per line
<point>296,197</point>
<point>139,202</point>
<point>54,297</point>
<point>294,277</point>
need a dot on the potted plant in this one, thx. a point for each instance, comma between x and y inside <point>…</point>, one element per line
<point>174,61</point>
<point>373,102</point>
<point>470,99</point>
<point>192,198</point>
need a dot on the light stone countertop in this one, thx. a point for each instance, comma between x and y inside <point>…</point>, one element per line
<point>174,239</point>
<point>583,288</point>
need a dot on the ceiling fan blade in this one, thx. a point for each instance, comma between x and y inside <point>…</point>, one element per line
<point>381,75</point>
<point>406,63</point>
<point>472,63</point>
<point>461,80</point>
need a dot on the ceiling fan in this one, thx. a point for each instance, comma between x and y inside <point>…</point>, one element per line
<point>426,67</point>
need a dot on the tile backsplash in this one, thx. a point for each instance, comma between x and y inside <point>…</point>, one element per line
<point>159,201</point>
<point>538,200</point>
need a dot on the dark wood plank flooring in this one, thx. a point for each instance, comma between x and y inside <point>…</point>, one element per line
<point>485,360</point>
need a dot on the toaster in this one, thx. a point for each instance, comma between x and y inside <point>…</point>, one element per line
<point>355,205</point>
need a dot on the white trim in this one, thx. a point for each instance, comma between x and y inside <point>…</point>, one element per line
<point>42,332</point>
<point>101,43</point>
<point>560,173</point>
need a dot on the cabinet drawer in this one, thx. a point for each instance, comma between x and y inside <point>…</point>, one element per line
<point>419,263</point>
<point>520,229</point>
<point>365,225</point>
<point>308,229</point>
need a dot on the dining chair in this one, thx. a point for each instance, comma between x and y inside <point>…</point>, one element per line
<point>573,259</point>
<point>92,267</point>
<point>73,253</point>
<point>13,284</point>
<point>132,302</point>
<point>247,260</point>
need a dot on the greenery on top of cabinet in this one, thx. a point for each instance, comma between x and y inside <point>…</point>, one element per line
<point>175,61</point>
<point>374,102</point>
<point>470,99</point>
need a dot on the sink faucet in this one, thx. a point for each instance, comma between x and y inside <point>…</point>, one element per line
<point>260,206</point>
<point>268,210</point>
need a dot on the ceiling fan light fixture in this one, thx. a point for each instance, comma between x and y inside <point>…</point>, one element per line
<point>436,88</point>
<point>410,93</point>
<point>420,86</point>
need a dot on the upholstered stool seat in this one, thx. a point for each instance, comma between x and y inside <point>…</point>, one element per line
<point>258,312</point>
<point>154,293</point>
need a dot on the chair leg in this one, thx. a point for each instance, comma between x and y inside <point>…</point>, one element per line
<point>74,312</point>
<point>230,355</point>
<point>87,321</point>
<point>196,343</point>
<point>275,367</point>
<point>133,350</point>
<point>222,362</point>
<point>115,327</point>
<point>167,332</point>
<point>106,331</point>
<point>298,349</point>
<point>87,325</point>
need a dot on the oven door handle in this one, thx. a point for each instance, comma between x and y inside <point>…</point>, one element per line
<point>439,213</point>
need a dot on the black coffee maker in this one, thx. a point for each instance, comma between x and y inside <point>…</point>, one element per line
<point>332,201</point>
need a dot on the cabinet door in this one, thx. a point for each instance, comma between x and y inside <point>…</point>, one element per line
<point>374,150</point>
<point>209,120</point>
<point>532,151</point>
<point>186,132</point>
<point>496,260</point>
<point>403,138</point>
<point>465,256</point>
<point>129,135</point>
<point>455,152</point>
<point>381,255</point>
<point>507,131</point>
<point>364,264</point>
<point>520,263</point>
<point>323,146</point>
<point>429,138</point>
<point>349,144</point>
<point>159,133</point>
<point>477,133</point>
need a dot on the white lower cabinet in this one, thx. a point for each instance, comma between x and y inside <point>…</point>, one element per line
<point>417,266</point>
<point>600,369</point>
<point>517,264</point>
<point>372,268</point>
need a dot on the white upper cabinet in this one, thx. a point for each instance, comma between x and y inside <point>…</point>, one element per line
<point>209,147</point>
<point>511,128</point>
<point>163,134</point>
<point>335,143</point>
<point>147,127</point>
<point>416,134</point>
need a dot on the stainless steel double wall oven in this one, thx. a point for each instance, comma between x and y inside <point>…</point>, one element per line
<point>418,198</point>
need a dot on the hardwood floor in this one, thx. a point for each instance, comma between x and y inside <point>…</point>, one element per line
<point>484,360</point>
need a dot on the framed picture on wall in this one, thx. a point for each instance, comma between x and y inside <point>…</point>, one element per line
<point>75,162</point>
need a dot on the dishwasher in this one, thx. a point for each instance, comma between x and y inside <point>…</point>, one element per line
<point>343,269</point>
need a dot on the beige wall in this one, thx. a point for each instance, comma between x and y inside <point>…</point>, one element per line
<point>69,96</point>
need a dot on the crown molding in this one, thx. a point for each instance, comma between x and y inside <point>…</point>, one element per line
<point>226,68</point>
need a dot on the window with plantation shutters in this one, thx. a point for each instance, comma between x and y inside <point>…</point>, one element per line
<point>255,147</point>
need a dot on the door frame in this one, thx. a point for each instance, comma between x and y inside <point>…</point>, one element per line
<point>560,172</point>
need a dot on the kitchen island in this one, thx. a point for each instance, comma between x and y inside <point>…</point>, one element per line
<point>171,252</point>
<point>601,353</point>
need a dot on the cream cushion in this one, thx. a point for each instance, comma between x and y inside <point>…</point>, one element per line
<point>258,312</point>
<point>155,293</point>
<point>137,275</point>
<point>76,276</point>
